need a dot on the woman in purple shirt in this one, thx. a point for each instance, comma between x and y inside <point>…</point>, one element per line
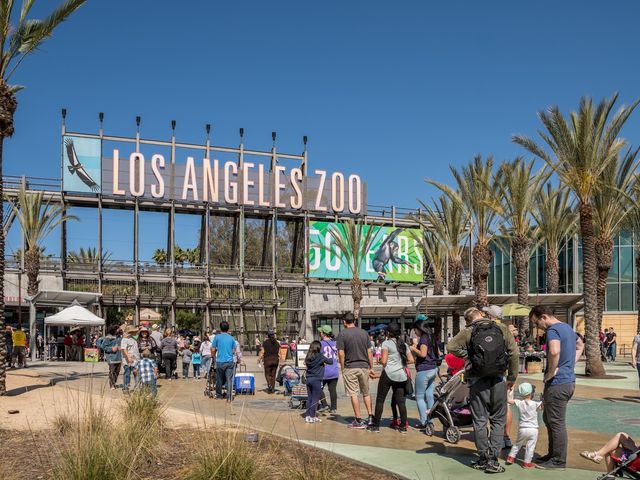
<point>332,371</point>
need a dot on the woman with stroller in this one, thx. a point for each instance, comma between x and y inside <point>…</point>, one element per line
<point>315,362</point>
<point>395,358</point>
<point>425,349</point>
<point>621,446</point>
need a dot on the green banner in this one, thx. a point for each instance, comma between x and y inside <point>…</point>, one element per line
<point>395,254</point>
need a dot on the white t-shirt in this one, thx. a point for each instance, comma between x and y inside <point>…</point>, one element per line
<point>394,368</point>
<point>129,345</point>
<point>528,413</point>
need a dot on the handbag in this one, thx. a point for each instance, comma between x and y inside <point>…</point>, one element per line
<point>408,386</point>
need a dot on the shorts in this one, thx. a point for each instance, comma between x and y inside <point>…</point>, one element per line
<point>356,381</point>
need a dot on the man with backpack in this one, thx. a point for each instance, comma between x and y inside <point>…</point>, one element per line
<point>490,350</point>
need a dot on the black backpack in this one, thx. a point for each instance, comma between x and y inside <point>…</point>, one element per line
<point>487,350</point>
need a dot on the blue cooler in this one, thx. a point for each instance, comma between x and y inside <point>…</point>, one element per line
<point>244,383</point>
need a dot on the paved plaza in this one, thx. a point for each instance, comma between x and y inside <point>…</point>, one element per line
<point>599,409</point>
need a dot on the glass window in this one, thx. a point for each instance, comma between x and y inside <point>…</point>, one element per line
<point>613,271</point>
<point>612,301</point>
<point>626,297</point>
<point>626,264</point>
<point>626,237</point>
<point>491,287</point>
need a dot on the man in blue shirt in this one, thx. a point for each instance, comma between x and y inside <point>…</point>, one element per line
<point>564,348</point>
<point>222,351</point>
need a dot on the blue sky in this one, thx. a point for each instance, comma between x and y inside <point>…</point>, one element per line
<point>394,91</point>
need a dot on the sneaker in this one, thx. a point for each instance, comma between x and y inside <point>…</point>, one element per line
<point>507,442</point>
<point>510,460</point>
<point>309,420</point>
<point>316,420</point>
<point>420,426</point>
<point>370,420</point>
<point>395,423</point>
<point>479,465</point>
<point>373,429</point>
<point>494,467</point>
<point>541,458</point>
<point>358,424</point>
<point>528,465</point>
<point>551,465</point>
<point>402,430</point>
<point>333,412</point>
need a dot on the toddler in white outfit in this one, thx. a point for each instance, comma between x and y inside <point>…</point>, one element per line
<point>528,425</point>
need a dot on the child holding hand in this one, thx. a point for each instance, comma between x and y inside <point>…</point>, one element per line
<point>528,425</point>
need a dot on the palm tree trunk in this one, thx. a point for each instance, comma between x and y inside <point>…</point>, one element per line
<point>3,344</point>
<point>604,260</point>
<point>32,266</point>
<point>520,246</point>
<point>356,295</point>
<point>481,259</point>
<point>438,285</point>
<point>553,272</point>
<point>594,365</point>
<point>455,276</point>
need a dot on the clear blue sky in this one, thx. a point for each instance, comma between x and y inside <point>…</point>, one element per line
<point>394,91</point>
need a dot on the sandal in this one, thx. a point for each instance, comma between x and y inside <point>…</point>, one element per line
<point>593,456</point>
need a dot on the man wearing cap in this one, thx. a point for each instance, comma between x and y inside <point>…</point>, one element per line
<point>356,363</point>
<point>487,393</point>
<point>130,357</point>
<point>494,312</point>
<point>269,356</point>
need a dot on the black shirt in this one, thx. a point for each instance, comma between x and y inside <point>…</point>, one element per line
<point>271,349</point>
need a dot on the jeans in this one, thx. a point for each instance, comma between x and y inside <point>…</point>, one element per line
<point>206,363</point>
<point>114,372</point>
<point>384,384</point>
<point>270,371</point>
<point>169,363</point>
<point>185,370</point>
<point>128,370</point>
<point>638,368</point>
<point>611,351</point>
<point>224,376</point>
<point>488,402</point>
<point>555,399</point>
<point>332,384</point>
<point>527,437</point>
<point>151,386</point>
<point>314,390</point>
<point>196,370</point>
<point>425,384</point>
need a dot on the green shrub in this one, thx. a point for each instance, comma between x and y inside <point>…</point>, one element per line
<point>226,457</point>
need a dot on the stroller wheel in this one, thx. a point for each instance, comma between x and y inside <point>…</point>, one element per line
<point>452,434</point>
<point>429,429</point>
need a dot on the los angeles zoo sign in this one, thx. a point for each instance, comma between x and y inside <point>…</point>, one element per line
<point>151,175</point>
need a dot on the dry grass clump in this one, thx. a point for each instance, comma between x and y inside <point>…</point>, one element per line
<point>314,466</point>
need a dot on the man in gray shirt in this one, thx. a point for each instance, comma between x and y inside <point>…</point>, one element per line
<point>356,363</point>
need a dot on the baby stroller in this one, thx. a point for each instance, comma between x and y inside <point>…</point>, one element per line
<point>288,376</point>
<point>299,394</point>
<point>451,407</point>
<point>626,467</point>
<point>210,386</point>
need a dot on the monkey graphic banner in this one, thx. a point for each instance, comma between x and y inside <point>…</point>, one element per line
<point>394,255</point>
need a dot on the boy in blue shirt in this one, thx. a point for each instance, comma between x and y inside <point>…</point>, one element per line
<point>222,349</point>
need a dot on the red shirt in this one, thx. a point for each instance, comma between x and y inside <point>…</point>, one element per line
<point>68,341</point>
<point>454,363</point>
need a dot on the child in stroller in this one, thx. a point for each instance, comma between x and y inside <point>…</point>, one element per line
<point>451,407</point>
<point>288,376</point>
<point>622,456</point>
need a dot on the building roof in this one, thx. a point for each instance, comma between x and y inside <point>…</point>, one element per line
<point>449,303</point>
<point>63,298</point>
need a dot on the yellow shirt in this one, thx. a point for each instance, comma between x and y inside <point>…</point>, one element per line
<point>19,338</point>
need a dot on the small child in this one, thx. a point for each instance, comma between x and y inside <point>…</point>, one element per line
<point>147,371</point>
<point>196,360</point>
<point>186,361</point>
<point>528,425</point>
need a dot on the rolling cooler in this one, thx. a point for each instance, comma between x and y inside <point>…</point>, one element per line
<point>244,384</point>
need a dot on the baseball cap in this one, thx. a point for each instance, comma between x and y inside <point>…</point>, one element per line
<point>420,316</point>
<point>493,310</point>
<point>525,389</point>
<point>326,329</point>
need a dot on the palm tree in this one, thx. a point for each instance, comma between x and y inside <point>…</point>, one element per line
<point>354,240</point>
<point>555,223</point>
<point>611,204</point>
<point>475,195</point>
<point>518,185</point>
<point>38,218</point>
<point>160,256</point>
<point>435,251</point>
<point>88,256</point>
<point>17,41</point>
<point>581,149</point>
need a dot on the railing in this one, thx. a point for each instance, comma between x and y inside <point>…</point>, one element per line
<point>12,182</point>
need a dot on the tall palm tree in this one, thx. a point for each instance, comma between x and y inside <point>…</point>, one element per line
<point>581,149</point>
<point>475,194</point>
<point>19,37</point>
<point>160,256</point>
<point>517,187</point>
<point>435,251</point>
<point>38,218</point>
<point>354,240</point>
<point>611,204</point>
<point>555,224</point>
<point>88,256</point>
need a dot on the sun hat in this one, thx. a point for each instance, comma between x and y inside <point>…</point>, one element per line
<point>326,329</point>
<point>155,326</point>
<point>494,310</point>
<point>132,329</point>
<point>525,389</point>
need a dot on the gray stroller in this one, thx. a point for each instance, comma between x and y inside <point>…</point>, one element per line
<point>451,407</point>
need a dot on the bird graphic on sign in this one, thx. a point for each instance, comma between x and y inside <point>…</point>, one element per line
<point>76,167</point>
<point>388,253</point>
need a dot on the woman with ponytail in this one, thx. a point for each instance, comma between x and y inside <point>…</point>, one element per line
<point>425,348</point>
